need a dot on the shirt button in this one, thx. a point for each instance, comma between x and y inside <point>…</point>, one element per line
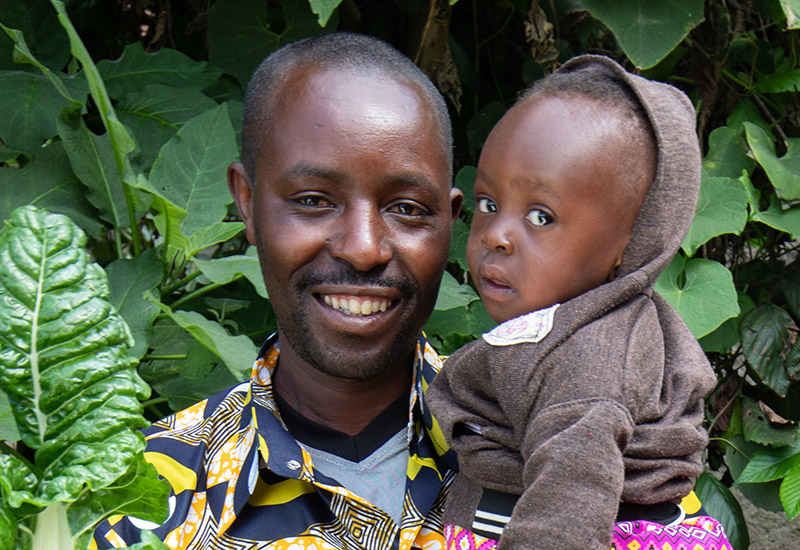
<point>293,465</point>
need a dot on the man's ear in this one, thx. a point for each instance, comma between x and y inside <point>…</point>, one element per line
<point>456,198</point>
<point>242,191</point>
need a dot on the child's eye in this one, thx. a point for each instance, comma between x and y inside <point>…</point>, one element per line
<point>539,218</point>
<point>487,206</point>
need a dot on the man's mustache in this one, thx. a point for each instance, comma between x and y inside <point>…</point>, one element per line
<point>349,276</point>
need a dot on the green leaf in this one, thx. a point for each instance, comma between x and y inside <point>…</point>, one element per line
<point>186,372</point>
<point>791,10</point>
<point>769,464</point>
<point>64,361</point>
<point>324,9</point>
<point>92,159</point>
<point>8,426</point>
<point>465,180</point>
<point>37,20</point>
<point>135,70</point>
<point>479,126</point>
<point>646,30</point>
<point>155,114</point>
<point>726,336</point>
<point>240,34</point>
<point>224,270</point>
<point>783,172</point>
<point>765,342</point>
<point>790,493</point>
<point>727,154</point>
<point>190,171</point>
<point>720,504</point>
<point>149,542</point>
<point>48,181</point>
<point>784,81</point>
<point>721,208</point>
<point>705,299</point>
<point>763,495</point>
<point>458,244</point>
<point>30,106</point>
<point>138,493</point>
<point>8,528</point>
<point>758,429</point>
<point>237,352</point>
<point>129,280</point>
<point>17,480</point>
<point>168,223</point>
<point>452,294</point>
<point>790,289</point>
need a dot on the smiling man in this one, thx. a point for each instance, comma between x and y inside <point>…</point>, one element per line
<point>345,192</point>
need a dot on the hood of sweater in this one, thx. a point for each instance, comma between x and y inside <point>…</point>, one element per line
<point>668,209</point>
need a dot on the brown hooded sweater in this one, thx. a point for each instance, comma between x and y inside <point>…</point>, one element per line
<point>608,406</point>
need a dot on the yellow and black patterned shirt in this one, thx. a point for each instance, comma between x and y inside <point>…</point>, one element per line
<point>232,452</point>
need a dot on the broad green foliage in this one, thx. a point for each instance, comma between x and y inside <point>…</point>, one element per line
<point>72,385</point>
<point>130,137</point>
<point>646,30</point>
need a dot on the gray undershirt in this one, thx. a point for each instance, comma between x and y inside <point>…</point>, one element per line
<point>379,479</point>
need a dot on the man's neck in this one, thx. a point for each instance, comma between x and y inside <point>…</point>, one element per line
<point>343,405</point>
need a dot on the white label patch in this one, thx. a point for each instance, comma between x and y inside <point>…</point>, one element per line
<point>531,327</point>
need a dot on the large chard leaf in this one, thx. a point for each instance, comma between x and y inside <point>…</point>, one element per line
<point>64,360</point>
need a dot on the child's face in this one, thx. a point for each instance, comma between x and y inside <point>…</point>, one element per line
<point>548,221</point>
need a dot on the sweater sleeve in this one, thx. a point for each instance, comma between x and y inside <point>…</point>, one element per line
<point>573,474</point>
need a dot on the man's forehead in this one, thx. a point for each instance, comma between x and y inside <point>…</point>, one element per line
<point>372,93</point>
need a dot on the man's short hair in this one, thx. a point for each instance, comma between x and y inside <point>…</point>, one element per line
<point>598,83</point>
<point>353,52</point>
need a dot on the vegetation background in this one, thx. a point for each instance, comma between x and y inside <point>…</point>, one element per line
<point>123,115</point>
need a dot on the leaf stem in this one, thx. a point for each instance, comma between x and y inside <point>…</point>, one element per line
<point>176,357</point>
<point>155,401</point>
<point>176,285</point>
<point>195,294</point>
<point>727,442</point>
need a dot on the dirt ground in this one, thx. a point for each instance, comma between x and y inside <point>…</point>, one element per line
<point>769,530</point>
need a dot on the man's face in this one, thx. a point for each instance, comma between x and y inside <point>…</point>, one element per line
<point>351,211</point>
<point>548,223</point>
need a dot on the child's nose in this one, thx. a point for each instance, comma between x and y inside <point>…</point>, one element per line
<point>498,236</point>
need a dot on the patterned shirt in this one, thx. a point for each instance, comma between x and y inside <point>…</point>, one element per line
<point>233,449</point>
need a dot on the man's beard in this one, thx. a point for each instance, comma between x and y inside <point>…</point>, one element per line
<point>352,364</point>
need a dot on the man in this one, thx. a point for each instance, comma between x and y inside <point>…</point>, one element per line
<point>345,191</point>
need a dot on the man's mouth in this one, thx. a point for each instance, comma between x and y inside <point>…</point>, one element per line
<point>358,306</point>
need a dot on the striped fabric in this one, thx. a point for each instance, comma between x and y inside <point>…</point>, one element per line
<point>239,480</point>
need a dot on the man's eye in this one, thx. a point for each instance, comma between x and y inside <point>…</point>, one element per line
<point>539,218</point>
<point>487,206</point>
<point>407,209</point>
<point>314,201</point>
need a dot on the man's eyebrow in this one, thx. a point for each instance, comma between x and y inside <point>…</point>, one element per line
<point>411,179</point>
<point>304,170</point>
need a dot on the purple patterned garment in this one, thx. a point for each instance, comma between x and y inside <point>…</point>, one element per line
<point>696,533</point>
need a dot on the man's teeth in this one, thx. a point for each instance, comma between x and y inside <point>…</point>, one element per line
<point>354,306</point>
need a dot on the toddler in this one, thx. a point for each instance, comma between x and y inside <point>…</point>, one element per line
<point>577,420</point>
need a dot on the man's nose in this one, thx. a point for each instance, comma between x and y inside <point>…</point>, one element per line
<point>498,236</point>
<point>361,238</point>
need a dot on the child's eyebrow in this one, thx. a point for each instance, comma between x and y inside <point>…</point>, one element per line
<point>520,182</point>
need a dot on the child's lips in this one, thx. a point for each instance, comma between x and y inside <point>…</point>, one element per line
<point>493,281</point>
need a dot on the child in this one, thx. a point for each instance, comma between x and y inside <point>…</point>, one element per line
<point>584,406</point>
